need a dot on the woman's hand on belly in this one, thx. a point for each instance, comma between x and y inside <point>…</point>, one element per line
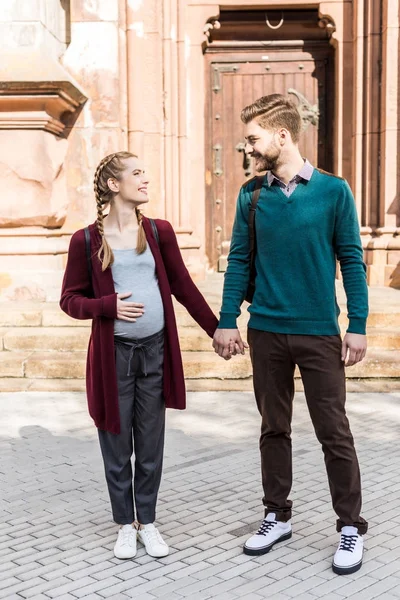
<point>128,311</point>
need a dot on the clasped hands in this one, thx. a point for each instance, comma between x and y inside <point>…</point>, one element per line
<point>228,342</point>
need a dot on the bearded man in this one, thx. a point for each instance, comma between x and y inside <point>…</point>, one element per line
<point>305,220</point>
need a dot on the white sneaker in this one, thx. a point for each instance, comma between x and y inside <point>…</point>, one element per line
<point>125,546</point>
<point>152,541</point>
<point>348,557</point>
<point>271,532</point>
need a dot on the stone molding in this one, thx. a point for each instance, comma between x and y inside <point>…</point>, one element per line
<point>40,95</point>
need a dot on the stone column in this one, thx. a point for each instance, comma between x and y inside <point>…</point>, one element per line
<point>338,16</point>
<point>192,129</point>
<point>145,94</point>
<point>94,59</point>
<point>39,100</point>
<point>389,176</point>
<point>376,136</point>
<point>171,112</point>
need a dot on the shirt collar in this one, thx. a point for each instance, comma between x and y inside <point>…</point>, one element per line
<point>305,173</point>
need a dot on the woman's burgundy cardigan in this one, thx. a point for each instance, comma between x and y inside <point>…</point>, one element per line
<point>78,302</point>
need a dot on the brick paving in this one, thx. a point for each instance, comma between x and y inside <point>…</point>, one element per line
<point>56,533</point>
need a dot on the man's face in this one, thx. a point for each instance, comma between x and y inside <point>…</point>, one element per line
<point>262,145</point>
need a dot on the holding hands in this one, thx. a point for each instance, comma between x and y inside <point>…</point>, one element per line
<point>228,342</point>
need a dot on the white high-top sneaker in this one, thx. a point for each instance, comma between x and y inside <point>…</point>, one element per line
<point>348,557</point>
<point>152,541</point>
<point>125,546</point>
<point>271,532</point>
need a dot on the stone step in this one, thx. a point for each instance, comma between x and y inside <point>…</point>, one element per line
<point>24,384</point>
<point>199,365</point>
<point>70,339</point>
<point>379,363</point>
<point>31,314</point>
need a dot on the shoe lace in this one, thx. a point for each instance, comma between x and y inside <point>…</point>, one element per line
<point>127,536</point>
<point>266,527</point>
<point>347,542</point>
<point>154,535</point>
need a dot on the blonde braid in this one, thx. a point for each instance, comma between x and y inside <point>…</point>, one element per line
<point>141,243</point>
<point>105,253</point>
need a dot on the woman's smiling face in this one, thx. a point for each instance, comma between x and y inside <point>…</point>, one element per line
<point>132,183</point>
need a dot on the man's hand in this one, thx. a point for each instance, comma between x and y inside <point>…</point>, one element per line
<point>228,342</point>
<point>354,348</point>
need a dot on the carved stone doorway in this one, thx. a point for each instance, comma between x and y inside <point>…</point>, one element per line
<point>238,73</point>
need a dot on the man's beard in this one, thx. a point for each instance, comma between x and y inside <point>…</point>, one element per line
<point>266,162</point>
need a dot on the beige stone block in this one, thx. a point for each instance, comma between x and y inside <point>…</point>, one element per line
<point>34,20</point>
<point>56,365</point>
<point>208,364</point>
<point>30,262</point>
<point>34,190</point>
<point>383,384</point>
<point>384,319</point>
<point>15,316</point>
<point>22,243</point>
<point>219,385</point>
<point>392,276</point>
<point>14,384</point>
<point>146,16</point>
<point>384,338</point>
<point>12,364</point>
<point>53,316</point>
<point>56,385</point>
<point>58,339</point>
<point>194,339</point>
<point>376,319</point>
<point>92,58</point>
<point>393,257</point>
<point>378,363</point>
<point>24,286</point>
<point>213,300</point>
<point>14,10</point>
<point>94,10</point>
<point>375,275</point>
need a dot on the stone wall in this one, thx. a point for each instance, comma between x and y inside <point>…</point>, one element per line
<point>82,78</point>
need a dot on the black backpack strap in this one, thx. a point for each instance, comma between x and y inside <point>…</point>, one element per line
<point>252,218</point>
<point>252,238</point>
<point>155,231</point>
<point>88,253</point>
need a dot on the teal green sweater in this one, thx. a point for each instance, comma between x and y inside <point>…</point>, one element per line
<point>298,241</point>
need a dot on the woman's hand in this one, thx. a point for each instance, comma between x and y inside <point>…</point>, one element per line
<point>128,311</point>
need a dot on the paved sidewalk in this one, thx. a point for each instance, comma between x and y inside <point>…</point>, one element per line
<point>56,534</point>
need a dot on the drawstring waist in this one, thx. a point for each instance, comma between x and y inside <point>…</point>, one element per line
<point>147,345</point>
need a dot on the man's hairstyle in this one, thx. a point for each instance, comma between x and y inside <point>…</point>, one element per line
<point>272,112</point>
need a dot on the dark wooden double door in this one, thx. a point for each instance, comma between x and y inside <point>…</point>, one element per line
<point>235,80</point>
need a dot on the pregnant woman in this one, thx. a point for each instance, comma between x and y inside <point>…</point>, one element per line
<point>121,272</point>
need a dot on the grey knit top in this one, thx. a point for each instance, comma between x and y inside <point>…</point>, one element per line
<point>135,273</point>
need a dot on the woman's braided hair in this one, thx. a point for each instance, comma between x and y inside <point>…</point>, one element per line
<point>111,167</point>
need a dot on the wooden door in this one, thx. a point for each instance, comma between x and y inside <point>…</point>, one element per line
<point>236,80</point>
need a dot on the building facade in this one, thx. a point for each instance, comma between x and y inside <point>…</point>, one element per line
<point>167,79</point>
